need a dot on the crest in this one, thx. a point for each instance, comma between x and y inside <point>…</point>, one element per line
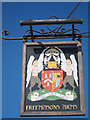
<point>52,79</point>
<point>49,72</point>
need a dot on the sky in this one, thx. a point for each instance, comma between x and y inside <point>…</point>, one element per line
<point>12,13</point>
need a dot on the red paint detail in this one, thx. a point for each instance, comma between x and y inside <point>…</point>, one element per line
<point>50,87</point>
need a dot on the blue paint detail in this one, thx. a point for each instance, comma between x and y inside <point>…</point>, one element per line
<point>57,84</point>
<point>55,79</point>
<point>45,75</point>
<point>50,75</point>
<point>53,76</point>
<point>47,83</point>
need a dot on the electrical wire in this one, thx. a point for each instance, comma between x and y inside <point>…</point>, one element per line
<point>60,26</point>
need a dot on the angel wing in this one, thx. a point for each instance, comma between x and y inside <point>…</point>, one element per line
<point>74,68</point>
<point>29,69</point>
<point>63,60</point>
<point>40,60</point>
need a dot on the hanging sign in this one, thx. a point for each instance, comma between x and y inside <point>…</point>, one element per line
<point>52,79</point>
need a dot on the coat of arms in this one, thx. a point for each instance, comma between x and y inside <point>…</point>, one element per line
<point>52,79</point>
<point>51,72</point>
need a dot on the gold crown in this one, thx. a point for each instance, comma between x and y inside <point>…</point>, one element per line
<point>52,64</point>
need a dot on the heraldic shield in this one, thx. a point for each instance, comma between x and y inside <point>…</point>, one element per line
<point>52,79</point>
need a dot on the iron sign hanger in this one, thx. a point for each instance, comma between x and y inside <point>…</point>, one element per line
<point>51,34</point>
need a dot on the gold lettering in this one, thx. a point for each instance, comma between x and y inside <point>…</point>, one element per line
<point>41,107</point>
<point>58,107</point>
<point>54,106</point>
<point>63,106</point>
<point>46,107</point>
<point>26,107</point>
<point>50,107</point>
<point>33,107</point>
<point>69,106</point>
<point>75,107</point>
<point>36,107</point>
<point>30,107</point>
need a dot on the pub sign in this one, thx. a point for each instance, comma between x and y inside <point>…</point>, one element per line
<point>52,79</point>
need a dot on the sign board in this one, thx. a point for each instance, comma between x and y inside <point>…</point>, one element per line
<point>52,79</point>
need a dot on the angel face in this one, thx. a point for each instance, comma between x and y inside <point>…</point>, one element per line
<point>68,62</point>
<point>35,63</point>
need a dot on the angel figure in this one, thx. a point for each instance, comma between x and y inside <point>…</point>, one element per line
<point>71,72</point>
<point>34,67</point>
<point>34,78</point>
<point>69,66</point>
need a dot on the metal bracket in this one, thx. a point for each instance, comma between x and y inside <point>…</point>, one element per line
<point>57,33</point>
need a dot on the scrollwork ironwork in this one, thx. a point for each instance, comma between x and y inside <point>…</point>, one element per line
<point>5,32</point>
<point>47,33</point>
